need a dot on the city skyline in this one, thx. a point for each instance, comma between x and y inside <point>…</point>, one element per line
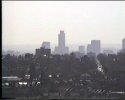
<point>95,46</point>
<point>63,50</point>
<point>31,23</point>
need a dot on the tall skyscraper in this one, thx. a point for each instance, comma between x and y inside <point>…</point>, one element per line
<point>123,44</point>
<point>61,39</point>
<point>61,48</point>
<point>46,45</point>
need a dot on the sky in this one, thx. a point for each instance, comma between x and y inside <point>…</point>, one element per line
<point>32,22</point>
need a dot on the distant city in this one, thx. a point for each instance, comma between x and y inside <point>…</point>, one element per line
<point>63,50</point>
<point>62,74</point>
<point>93,48</point>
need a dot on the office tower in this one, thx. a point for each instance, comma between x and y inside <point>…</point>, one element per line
<point>96,48</point>
<point>46,45</point>
<point>61,48</point>
<point>81,49</point>
<point>61,39</point>
<point>123,44</point>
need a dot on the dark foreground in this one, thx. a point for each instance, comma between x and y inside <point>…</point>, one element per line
<point>64,77</point>
<point>35,94</point>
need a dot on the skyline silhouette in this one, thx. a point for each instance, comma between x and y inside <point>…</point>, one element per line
<point>64,48</point>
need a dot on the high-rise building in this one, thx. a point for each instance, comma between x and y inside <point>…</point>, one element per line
<point>123,44</point>
<point>46,45</point>
<point>94,47</point>
<point>61,39</point>
<point>81,49</point>
<point>61,48</point>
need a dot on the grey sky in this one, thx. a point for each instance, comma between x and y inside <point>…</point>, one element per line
<point>32,22</point>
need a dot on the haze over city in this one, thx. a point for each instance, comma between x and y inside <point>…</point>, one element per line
<point>29,23</point>
<point>63,50</point>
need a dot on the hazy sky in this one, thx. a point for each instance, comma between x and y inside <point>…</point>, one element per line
<point>32,22</point>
